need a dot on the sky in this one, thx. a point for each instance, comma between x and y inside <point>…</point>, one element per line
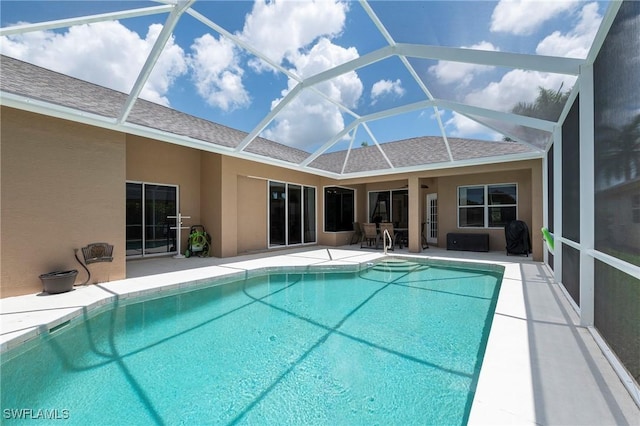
<point>205,74</point>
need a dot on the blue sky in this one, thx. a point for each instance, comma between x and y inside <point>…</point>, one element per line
<point>203,74</point>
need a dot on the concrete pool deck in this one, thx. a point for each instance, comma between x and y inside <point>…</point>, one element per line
<point>540,366</point>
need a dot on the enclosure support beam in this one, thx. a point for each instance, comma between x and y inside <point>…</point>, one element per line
<point>587,201</point>
<point>557,204</point>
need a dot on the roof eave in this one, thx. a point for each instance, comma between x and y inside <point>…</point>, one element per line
<point>83,117</point>
<point>53,110</point>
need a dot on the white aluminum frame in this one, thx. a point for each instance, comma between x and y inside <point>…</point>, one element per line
<point>486,206</point>
<point>588,253</point>
<point>176,9</point>
<point>286,213</point>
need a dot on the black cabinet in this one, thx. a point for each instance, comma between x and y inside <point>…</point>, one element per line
<point>468,242</point>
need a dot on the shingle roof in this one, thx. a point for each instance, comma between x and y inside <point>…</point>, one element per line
<point>414,152</point>
<point>24,79</point>
<point>29,80</point>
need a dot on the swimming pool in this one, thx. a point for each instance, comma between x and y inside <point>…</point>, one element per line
<point>400,342</point>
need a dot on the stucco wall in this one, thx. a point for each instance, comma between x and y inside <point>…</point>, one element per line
<point>244,204</point>
<point>252,212</point>
<point>211,198</point>
<point>63,186</point>
<point>527,195</point>
<point>444,182</point>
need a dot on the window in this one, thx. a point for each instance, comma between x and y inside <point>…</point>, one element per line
<point>487,206</point>
<point>292,214</point>
<point>339,209</point>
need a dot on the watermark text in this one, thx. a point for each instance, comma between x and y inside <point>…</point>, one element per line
<point>35,414</point>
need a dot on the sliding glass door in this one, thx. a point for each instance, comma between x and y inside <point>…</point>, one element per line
<point>292,214</point>
<point>148,226</point>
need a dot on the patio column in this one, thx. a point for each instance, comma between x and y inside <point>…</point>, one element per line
<point>414,215</point>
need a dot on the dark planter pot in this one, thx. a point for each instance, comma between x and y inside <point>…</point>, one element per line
<point>59,281</point>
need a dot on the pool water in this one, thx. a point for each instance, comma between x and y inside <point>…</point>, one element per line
<point>398,343</point>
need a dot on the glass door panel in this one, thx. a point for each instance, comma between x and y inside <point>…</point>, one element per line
<point>309,214</point>
<point>160,202</point>
<point>134,219</point>
<point>379,207</point>
<point>294,199</point>
<point>400,208</point>
<point>432,219</point>
<point>277,214</point>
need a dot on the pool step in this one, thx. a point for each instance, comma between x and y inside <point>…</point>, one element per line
<point>394,267</point>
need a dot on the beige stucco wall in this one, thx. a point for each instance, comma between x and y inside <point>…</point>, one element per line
<point>210,198</point>
<point>447,203</point>
<point>62,188</point>
<point>244,203</point>
<point>252,210</point>
<point>444,182</point>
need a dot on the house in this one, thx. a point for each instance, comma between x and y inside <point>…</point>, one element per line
<point>70,177</point>
<point>81,163</point>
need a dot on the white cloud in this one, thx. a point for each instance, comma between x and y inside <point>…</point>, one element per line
<point>448,72</point>
<point>217,73</point>
<point>517,86</point>
<point>386,88</point>
<point>522,85</point>
<point>463,127</point>
<point>308,120</point>
<point>576,42</point>
<point>523,17</point>
<point>437,113</point>
<point>306,123</point>
<point>104,53</point>
<point>346,88</point>
<point>280,29</point>
<point>298,36</point>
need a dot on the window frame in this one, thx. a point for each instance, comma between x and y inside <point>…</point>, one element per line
<point>390,213</point>
<point>286,206</point>
<point>324,208</point>
<point>635,208</point>
<point>144,252</point>
<point>486,206</point>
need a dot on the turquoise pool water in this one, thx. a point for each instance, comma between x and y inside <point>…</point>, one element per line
<point>398,343</point>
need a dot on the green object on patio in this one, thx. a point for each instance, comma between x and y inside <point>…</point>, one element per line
<point>548,237</point>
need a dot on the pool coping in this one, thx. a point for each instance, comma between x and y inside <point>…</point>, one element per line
<point>19,327</point>
<point>504,394</point>
<point>102,296</point>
